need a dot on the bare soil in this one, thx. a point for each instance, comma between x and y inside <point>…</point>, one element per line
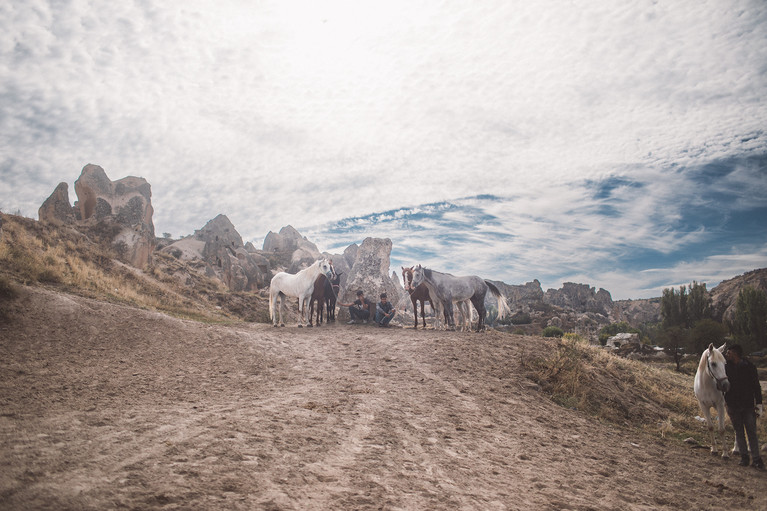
<point>109,407</point>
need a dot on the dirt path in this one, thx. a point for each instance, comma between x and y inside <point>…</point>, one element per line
<point>108,407</point>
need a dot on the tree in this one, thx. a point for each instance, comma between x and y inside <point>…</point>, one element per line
<point>687,307</point>
<point>698,304</point>
<point>674,340</point>
<point>705,332</point>
<point>750,325</point>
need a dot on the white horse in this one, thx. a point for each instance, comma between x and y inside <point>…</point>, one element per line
<point>300,285</point>
<point>711,383</point>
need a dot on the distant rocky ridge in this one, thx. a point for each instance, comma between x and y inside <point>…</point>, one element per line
<point>121,212</point>
<point>219,247</point>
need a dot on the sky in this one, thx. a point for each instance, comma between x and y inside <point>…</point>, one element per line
<point>617,144</point>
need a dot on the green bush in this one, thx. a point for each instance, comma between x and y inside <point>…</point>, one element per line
<point>553,331</point>
<point>521,318</point>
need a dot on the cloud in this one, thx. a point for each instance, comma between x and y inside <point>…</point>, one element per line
<point>522,134</point>
<point>569,235</point>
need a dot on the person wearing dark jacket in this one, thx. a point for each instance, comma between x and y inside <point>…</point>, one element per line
<point>744,404</point>
<point>360,309</point>
<point>384,311</point>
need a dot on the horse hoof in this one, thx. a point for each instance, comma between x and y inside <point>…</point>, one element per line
<point>307,326</point>
<point>300,326</point>
<point>282,324</point>
<point>275,325</point>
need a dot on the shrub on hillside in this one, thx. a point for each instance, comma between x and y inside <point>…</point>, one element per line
<point>553,331</point>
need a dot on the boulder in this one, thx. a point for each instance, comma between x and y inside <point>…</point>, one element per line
<point>122,208</point>
<point>370,272</point>
<point>57,209</point>
<point>621,339</point>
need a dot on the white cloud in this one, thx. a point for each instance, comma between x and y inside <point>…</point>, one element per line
<point>305,113</point>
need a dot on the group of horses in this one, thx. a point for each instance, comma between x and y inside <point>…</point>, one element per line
<point>320,283</point>
<point>443,291</point>
<point>317,283</point>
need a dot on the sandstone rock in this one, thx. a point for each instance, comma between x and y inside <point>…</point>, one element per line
<point>219,246</point>
<point>580,297</point>
<point>124,205</point>
<point>57,209</point>
<point>370,273</point>
<point>724,297</point>
<point>621,339</point>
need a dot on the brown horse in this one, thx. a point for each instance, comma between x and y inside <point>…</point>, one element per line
<point>332,289</point>
<point>417,294</point>
<point>318,295</point>
<point>325,293</point>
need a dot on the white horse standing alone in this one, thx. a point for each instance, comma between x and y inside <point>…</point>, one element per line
<point>300,285</point>
<point>711,383</point>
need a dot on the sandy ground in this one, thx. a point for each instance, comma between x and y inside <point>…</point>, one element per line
<point>109,407</point>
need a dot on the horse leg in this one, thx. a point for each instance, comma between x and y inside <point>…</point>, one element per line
<point>273,307</point>
<point>423,314</point>
<point>448,304</point>
<point>282,297</point>
<point>301,311</point>
<point>720,420</point>
<point>311,311</point>
<point>481,312</point>
<point>320,304</point>
<point>710,425</point>
<point>415,313</point>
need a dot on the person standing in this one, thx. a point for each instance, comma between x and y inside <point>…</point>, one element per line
<point>384,311</point>
<point>744,404</point>
<point>359,310</point>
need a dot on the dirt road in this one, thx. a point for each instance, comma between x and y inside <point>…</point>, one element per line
<point>110,407</point>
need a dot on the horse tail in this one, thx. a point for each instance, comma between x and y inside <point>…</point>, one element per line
<point>503,307</point>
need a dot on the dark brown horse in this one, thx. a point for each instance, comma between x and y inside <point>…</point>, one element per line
<point>417,294</point>
<point>318,295</point>
<point>331,295</point>
<point>325,294</point>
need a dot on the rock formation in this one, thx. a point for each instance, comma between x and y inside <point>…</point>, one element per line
<point>580,297</point>
<point>219,246</point>
<point>119,211</point>
<point>57,209</point>
<point>370,273</point>
<point>724,297</point>
<point>302,251</point>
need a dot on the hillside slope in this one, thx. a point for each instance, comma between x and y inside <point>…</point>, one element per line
<point>109,406</point>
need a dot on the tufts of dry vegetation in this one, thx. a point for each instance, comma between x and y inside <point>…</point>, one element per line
<point>36,253</point>
<point>620,391</point>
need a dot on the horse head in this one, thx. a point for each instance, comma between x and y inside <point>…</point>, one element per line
<point>407,279</point>
<point>715,363</point>
<point>326,267</point>
<point>418,276</point>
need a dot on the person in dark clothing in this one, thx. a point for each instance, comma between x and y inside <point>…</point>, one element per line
<point>384,311</point>
<point>744,404</point>
<point>360,309</point>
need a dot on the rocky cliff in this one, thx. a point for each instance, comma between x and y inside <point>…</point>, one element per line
<point>118,210</point>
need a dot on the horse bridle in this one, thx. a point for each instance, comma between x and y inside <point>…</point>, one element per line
<point>711,374</point>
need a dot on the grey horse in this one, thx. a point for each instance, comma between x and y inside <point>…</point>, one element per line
<point>448,288</point>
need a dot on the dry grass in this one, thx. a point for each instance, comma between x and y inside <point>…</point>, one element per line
<point>34,253</point>
<point>619,391</point>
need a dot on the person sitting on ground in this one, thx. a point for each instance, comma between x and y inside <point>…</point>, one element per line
<point>384,311</point>
<point>744,404</point>
<point>359,310</point>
